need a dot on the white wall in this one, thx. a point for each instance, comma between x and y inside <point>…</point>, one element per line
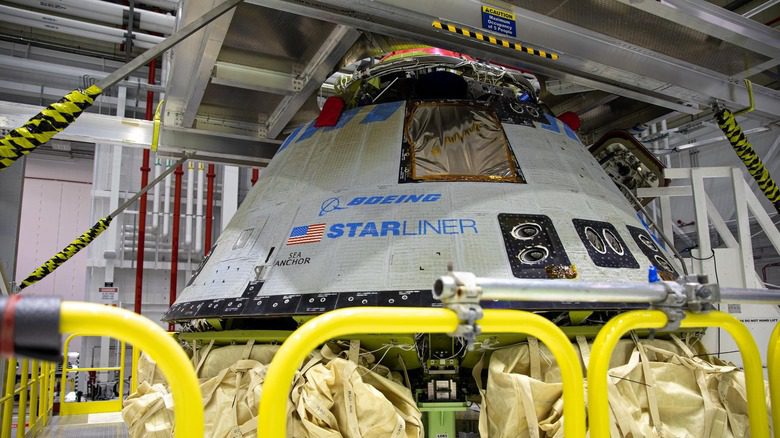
<point>55,210</point>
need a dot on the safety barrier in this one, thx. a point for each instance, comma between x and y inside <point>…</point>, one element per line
<point>98,320</point>
<point>773,365</point>
<point>35,392</point>
<point>617,327</point>
<point>272,417</point>
<point>90,407</point>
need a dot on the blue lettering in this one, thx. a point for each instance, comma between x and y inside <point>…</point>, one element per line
<point>373,200</point>
<point>353,226</point>
<point>336,230</point>
<point>390,227</point>
<point>413,198</point>
<point>369,230</point>
<point>357,201</point>
<point>468,223</point>
<point>427,225</point>
<point>400,199</point>
<point>449,224</point>
<point>389,199</point>
<point>404,230</point>
<point>433,197</point>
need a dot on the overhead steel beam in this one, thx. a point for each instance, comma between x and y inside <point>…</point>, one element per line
<point>221,148</point>
<point>13,88</point>
<point>77,74</point>
<point>313,75</point>
<point>711,19</point>
<point>252,78</point>
<point>586,58</point>
<point>98,128</point>
<point>190,74</point>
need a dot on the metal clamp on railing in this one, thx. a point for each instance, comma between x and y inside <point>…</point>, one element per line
<point>459,292</point>
<point>690,293</point>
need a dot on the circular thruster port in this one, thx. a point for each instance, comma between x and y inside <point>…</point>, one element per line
<point>526,231</point>
<point>613,242</point>
<point>533,255</point>
<point>662,263</point>
<point>595,240</point>
<point>646,241</point>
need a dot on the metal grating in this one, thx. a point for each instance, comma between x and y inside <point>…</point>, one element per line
<point>642,29</point>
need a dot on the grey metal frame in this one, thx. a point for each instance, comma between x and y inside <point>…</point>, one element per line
<point>587,58</point>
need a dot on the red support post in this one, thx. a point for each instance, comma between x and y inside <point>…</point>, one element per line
<point>139,266</point>
<point>209,209</point>
<point>175,238</point>
<point>255,175</point>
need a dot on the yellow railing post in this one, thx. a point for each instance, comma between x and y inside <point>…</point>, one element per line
<point>134,357</point>
<point>773,365</point>
<point>272,412</point>
<point>42,393</point>
<point>21,418</point>
<point>610,334</point>
<point>91,407</point>
<point>90,319</point>
<point>8,397</point>
<point>34,382</point>
<point>123,347</point>
<point>751,363</point>
<point>516,321</point>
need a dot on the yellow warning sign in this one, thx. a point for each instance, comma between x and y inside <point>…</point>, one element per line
<point>498,12</point>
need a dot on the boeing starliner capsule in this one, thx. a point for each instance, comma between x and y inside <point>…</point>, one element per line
<point>437,158</point>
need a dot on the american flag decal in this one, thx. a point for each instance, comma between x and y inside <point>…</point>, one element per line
<point>306,234</point>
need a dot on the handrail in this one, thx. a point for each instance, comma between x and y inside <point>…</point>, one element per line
<point>91,407</point>
<point>773,366</point>
<point>617,327</point>
<point>34,376</point>
<point>272,416</point>
<point>89,319</point>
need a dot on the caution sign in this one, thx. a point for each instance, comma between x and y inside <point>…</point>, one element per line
<point>499,20</point>
<point>109,294</point>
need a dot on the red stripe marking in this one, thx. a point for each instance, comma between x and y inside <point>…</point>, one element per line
<point>9,323</point>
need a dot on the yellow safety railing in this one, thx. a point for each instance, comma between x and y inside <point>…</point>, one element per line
<point>89,319</point>
<point>773,365</point>
<point>35,392</point>
<point>617,327</point>
<point>90,407</point>
<point>272,419</point>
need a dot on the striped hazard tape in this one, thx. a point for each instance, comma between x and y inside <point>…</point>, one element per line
<point>460,30</point>
<point>45,125</point>
<point>728,124</point>
<point>69,251</point>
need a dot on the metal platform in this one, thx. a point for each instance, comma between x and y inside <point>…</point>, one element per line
<point>108,425</point>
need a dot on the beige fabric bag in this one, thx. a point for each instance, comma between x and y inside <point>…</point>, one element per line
<point>657,388</point>
<point>146,412</point>
<point>342,399</point>
<point>355,401</point>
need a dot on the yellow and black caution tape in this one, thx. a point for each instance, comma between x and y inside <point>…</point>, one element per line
<point>45,125</point>
<point>69,251</point>
<point>460,30</point>
<point>85,239</point>
<point>746,153</point>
